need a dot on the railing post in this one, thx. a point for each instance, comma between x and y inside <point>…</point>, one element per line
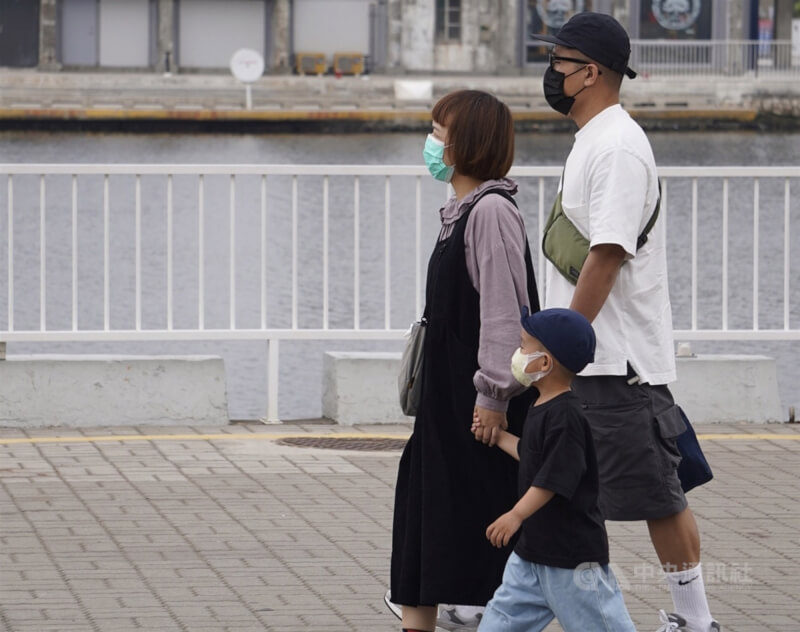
<point>273,350</point>
<point>10,252</point>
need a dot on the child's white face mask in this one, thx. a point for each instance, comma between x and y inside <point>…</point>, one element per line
<point>520,362</point>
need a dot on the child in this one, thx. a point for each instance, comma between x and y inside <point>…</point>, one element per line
<point>559,567</point>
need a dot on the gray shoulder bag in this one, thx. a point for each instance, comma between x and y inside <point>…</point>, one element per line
<point>408,383</point>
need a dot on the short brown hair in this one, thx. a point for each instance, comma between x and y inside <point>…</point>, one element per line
<point>480,131</point>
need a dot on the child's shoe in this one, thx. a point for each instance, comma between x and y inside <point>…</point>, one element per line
<point>459,618</point>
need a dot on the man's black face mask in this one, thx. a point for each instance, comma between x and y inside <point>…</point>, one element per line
<point>554,90</point>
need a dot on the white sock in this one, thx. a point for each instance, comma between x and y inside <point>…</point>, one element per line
<point>689,596</point>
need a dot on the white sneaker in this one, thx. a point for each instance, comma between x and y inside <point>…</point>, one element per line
<point>675,623</point>
<point>394,608</point>
<point>460,618</point>
<point>453,618</point>
<point>671,622</point>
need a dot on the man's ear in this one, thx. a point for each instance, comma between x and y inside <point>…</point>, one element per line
<point>592,74</point>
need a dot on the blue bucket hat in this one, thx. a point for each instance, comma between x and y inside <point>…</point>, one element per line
<point>565,333</point>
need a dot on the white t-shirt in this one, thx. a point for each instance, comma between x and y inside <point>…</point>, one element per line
<point>609,191</point>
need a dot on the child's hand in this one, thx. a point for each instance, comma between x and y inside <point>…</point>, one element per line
<point>501,530</point>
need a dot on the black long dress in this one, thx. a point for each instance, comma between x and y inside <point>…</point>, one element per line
<point>450,487</point>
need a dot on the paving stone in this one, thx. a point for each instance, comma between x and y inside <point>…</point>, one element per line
<point>252,535</point>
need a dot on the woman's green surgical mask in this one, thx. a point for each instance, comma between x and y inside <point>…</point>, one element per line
<point>434,159</point>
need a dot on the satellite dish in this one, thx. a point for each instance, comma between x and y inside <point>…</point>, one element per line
<point>247,65</point>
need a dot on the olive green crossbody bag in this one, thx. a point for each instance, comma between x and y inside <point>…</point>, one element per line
<point>566,248</point>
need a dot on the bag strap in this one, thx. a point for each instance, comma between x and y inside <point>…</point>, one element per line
<point>502,193</point>
<point>642,239</point>
<point>557,209</point>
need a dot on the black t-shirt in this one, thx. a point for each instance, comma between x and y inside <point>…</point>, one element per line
<point>556,453</point>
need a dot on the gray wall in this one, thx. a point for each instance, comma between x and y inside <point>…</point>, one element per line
<point>124,33</point>
<point>783,19</point>
<point>48,36</point>
<point>331,26</point>
<point>211,31</point>
<point>398,35</point>
<point>78,32</point>
<point>489,37</point>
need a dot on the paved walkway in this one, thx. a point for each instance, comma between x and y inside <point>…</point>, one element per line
<point>169,529</point>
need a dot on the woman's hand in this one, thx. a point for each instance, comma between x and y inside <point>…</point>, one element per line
<point>501,530</point>
<point>476,424</point>
<point>487,423</point>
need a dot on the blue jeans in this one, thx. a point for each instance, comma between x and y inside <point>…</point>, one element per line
<point>585,599</point>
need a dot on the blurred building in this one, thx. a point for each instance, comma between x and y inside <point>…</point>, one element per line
<point>397,36</point>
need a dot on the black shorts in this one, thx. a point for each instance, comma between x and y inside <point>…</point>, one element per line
<point>634,429</point>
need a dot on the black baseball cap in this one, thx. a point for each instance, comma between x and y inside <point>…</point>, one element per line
<point>565,333</point>
<point>598,36</point>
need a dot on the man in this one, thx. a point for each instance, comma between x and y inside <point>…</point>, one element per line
<point>610,193</point>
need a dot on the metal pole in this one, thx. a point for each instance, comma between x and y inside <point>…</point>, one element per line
<point>273,351</point>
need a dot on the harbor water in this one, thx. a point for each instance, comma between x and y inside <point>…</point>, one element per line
<point>301,361</point>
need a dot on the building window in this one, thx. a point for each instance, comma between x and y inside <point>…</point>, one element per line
<point>546,17</point>
<point>448,20</point>
<point>680,22</point>
<point>668,19</point>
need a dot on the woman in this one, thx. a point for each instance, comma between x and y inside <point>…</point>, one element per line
<point>449,487</point>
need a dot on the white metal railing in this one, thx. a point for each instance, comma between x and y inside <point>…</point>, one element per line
<point>105,251</point>
<point>718,58</point>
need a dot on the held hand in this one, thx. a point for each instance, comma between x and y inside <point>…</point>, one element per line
<point>500,531</point>
<point>476,424</point>
<point>487,424</point>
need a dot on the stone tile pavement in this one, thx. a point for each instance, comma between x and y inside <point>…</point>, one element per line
<point>118,529</point>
